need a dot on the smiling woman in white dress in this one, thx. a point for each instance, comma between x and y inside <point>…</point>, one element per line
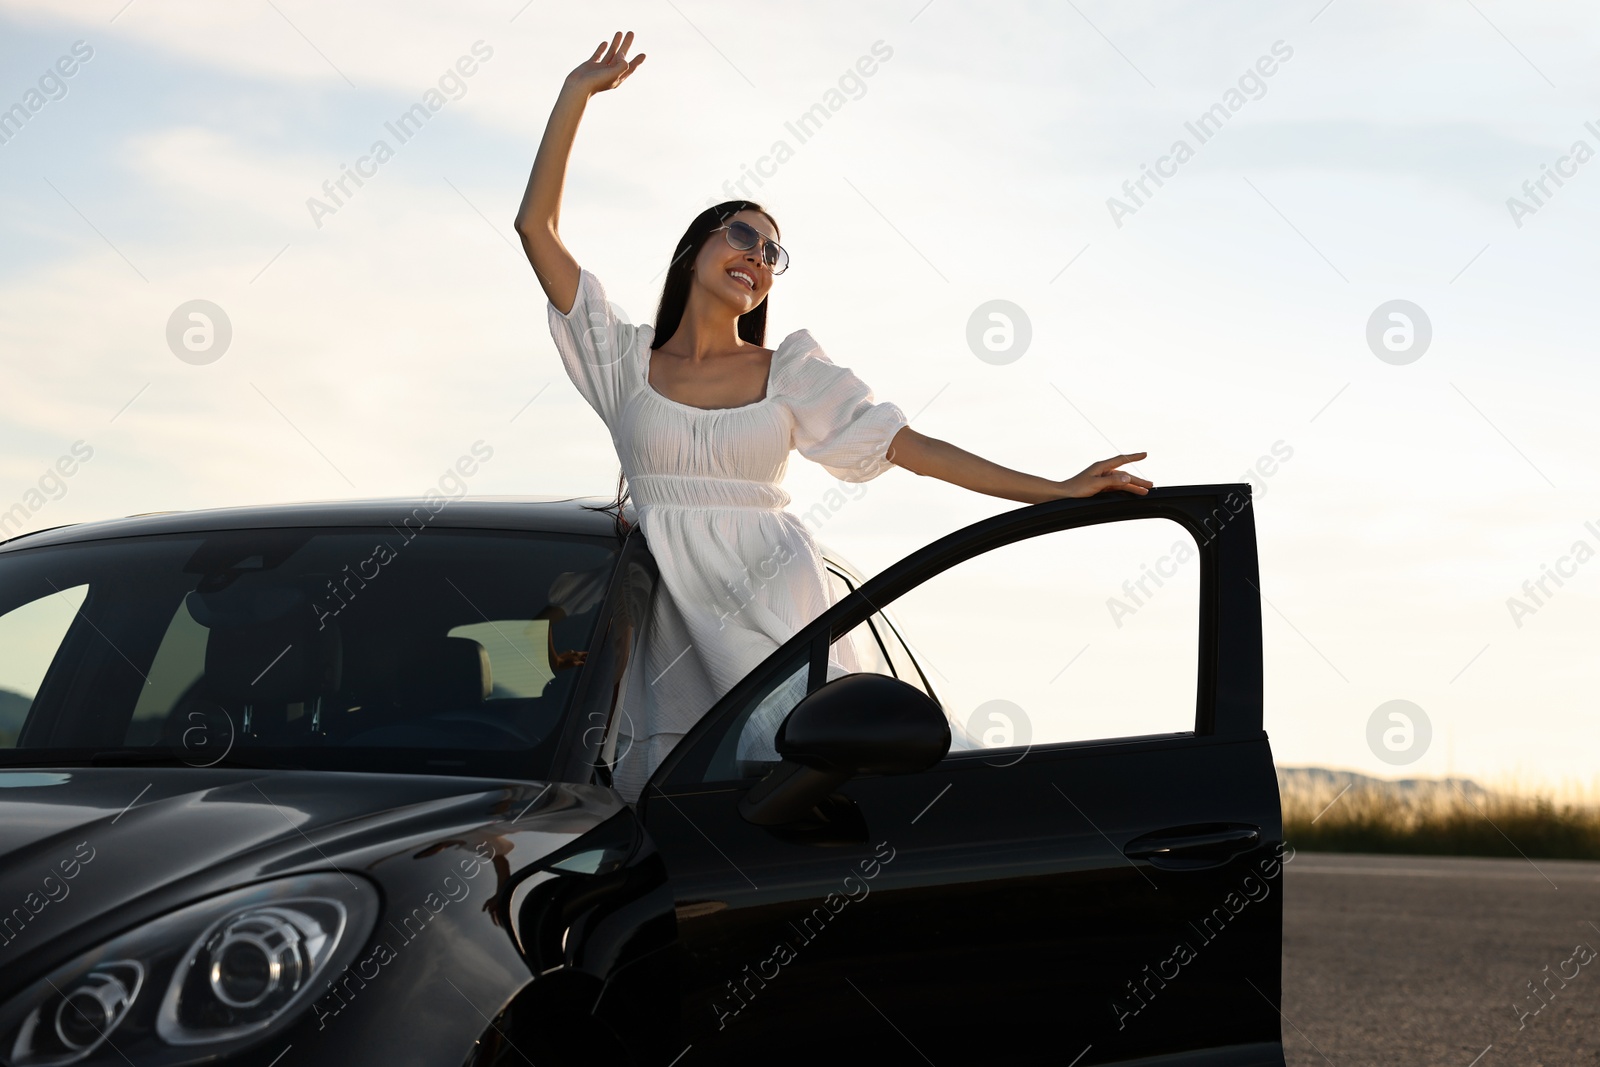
<point>703,419</point>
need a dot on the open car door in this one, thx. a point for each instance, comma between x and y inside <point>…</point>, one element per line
<point>1101,900</point>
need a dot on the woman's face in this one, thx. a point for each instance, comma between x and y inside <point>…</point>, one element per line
<point>717,267</point>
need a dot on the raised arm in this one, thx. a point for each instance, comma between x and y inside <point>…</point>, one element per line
<point>537,218</point>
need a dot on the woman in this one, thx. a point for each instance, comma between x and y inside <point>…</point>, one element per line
<point>703,419</point>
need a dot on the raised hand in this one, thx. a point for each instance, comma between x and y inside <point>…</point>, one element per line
<point>607,68</point>
<point>1101,476</point>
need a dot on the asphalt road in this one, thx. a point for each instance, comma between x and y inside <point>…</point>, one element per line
<point>1422,961</point>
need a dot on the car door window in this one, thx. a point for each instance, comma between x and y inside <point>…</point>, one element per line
<point>859,651</point>
<point>865,645</point>
<point>30,634</point>
<point>758,730</point>
<point>1078,635</point>
<point>887,652</point>
<point>906,666</point>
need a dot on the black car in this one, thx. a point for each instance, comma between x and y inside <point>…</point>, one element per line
<point>329,784</point>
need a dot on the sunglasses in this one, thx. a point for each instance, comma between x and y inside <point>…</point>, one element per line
<point>743,236</point>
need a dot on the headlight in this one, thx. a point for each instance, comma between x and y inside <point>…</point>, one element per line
<point>197,983</point>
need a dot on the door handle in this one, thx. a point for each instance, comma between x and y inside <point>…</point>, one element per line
<point>1194,847</point>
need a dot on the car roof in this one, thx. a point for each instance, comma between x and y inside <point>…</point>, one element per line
<point>537,514</point>
<point>530,513</point>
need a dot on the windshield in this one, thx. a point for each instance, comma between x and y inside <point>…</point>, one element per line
<point>450,652</point>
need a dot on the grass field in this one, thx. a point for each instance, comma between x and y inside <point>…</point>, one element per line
<point>1329,811</point>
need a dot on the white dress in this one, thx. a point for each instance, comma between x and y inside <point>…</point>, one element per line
<point>739,574</point>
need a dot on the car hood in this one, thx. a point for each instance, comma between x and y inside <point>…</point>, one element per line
<point>122,842</point>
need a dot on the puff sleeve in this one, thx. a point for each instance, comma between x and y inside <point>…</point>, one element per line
<point>837,423</point>
<point>596,346</point>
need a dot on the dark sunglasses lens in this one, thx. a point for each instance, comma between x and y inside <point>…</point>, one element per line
<point>743,236</point>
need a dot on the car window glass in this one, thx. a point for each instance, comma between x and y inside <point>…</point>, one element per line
<point>342,648</point>
<point>179,663</point>
<point>757,727</point>
<point>865,652</point>
<point>1082,634</point>
<point>1076,635</point>
<point>518,651</point>
<point>905,664</point>
<point>766,714</point>
<point>30,634</point>
<point>858,651</point>
<point>888,653</point>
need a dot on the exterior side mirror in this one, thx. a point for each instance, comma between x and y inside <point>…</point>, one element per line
<point>858,724</point>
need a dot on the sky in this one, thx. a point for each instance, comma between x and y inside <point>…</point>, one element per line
<point>1361,160</point>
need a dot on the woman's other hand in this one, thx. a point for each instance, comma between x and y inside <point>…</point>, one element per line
<point>1099,477</point>
<point>607,68</point>
<point>565,661</point>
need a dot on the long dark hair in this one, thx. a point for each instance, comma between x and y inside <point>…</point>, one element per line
<point>675,298</point>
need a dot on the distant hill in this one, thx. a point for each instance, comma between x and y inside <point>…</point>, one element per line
<point>1322,780</point>
<point>1341,811</point>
